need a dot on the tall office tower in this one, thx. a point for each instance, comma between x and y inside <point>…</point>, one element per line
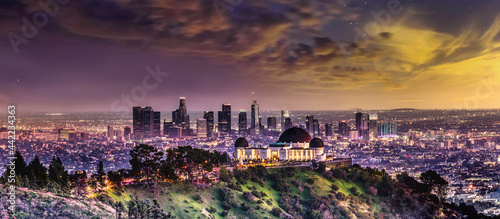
<point>201,128</point>
<point>209,116</point>
<point>157,124</point>
<point>110,131</point>
<point>166,126</point>
<point>271,123</point>
<point>225,119</point>
<point>143,122</point>
<point>127,131</point>
<point>328,129</point>
<point>359,122</point>
<point>180,116</point>
<point>138,122</point>
<point>343,128</point>
<point>242,122</point>
<point>288,123</point>
<point>284,114</point>
<point>316,130</point>
<point>309,123</point>
<point>255,123</point>
<point>372,125</point>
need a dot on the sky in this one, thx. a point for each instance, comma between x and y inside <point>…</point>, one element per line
<point>93,55</point>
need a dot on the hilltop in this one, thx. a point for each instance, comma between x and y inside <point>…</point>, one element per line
<point>255,193</point>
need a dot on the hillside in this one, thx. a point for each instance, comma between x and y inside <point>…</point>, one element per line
<point>252,193</point>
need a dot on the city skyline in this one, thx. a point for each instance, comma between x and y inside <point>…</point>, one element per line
<point>417,54</point>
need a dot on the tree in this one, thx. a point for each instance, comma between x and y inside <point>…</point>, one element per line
<point>225,175</point>
<point>37,174</point>
<point>58,177</point>
<point>434,182</point>
<point>145,162</point>
<point>101,175</point>
<point>79,183</point>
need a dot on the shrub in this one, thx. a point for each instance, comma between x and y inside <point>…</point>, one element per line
<point>257,194</point>
<point>354,190</point>
<point>248,196</point>
<point>212,210</point>
<point>224,213</point>
<point>335,188</point>
<point>340,196</point>
<point>311,180</point>
<point>276,212</point>
<point>372,191</point>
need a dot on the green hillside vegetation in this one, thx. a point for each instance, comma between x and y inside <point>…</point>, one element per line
<point>253,192</point>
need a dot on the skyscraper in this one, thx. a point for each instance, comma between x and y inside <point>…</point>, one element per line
<point>309,123</point>
<point>388,129</point>
<point>242,122</point>
<point>255,124</point>
<point>328,129</point>
<point>359,122</point>
<point>288,123</point>
<point>201,128</point>
<point>271,123</point>
<point>316,130</point>
<point>225,119</point>
<point>157,124</point>
<point>143,122</point>
<point>372,124</point>
<point>166,127</point>
<point>110,131</point>
<point>209,116</point>
<point>284,114</point>
<point>343,128</point>
<point>180,116</point>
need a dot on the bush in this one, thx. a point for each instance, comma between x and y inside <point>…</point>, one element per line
<point>224,213</point>
<point>311,180</point>
<point>212,210</point>
<point>248,196</point>
<point>257,194</point>
<point>372,191</point>
<point>276,212</point>
<point>340,196</point>
<point>335,188</point>
<point>225,175</point>
<point>354,190</point>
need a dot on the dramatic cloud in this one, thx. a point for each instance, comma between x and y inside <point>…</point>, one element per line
<point>374,54</point>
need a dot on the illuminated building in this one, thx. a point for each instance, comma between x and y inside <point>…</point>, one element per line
<point>225,119</point>
<point>343,128</point>
<point>209,116</point>
<point>284,114</point>
<point>255,122</point>
<point>242,122</point>
<point>144,122</point>
<point>359,123</point>
<point>201,128</point>
<point>309,123</point>
<point>328,129</point>
<point>372,125</point>
<point>294,144</point>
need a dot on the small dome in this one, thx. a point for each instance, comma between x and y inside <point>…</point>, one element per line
<point>295,135</point>
<point>316,143</point>
<point>241,143</point>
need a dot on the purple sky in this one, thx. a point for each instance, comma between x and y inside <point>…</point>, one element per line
<point>296,55</point>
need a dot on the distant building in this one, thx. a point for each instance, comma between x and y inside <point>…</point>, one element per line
<point>127,131</point>
<point>201,128</point>
<point>271,123</point>
<point>225,119</point>
<point>255,122</point>
<point>110,131</point>
<point>157,124</point>
<point>372,125</point>
<point>316,131</point>
<point>242,122</point>
<point>284,114</point>
<point>166,126</point>
<point>180,116</point>
<point>309,123</point>
<point>288,123</point>
<point>388,129</point>
<point>328,129</point>
<point>67,134</point>
<point>359,123</point>
<point>343,128</point>
<point>143,122</point>
<point>209,116</point>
